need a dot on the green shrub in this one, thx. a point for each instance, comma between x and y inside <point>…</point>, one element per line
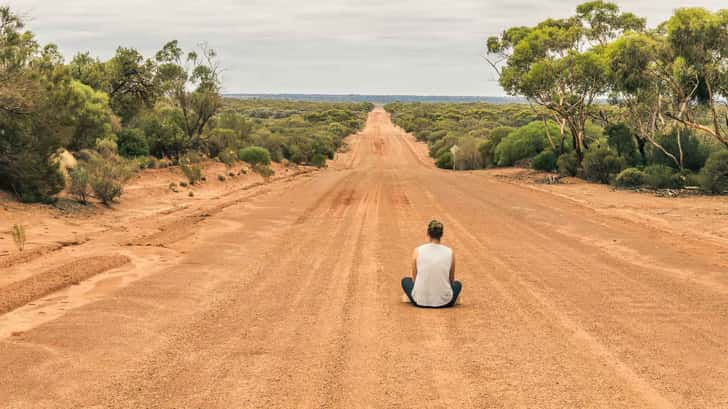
<point>568,164</point>
<point>487,148</point>
<point>714,176</point>
<point>26,168</point>
<point>132,143</point>
<point>523,143</point>
<point>662,177</point>
<point>31,176</point>
<point>630,177</point>
<point>444,161</point>
<point>600,164</point>
<point>107,175</point>
<point>193,173</point>
<point>80,184</point>
<point>545,161</point>
<point>264,170</point>
<point>221,178</point>
<point>695,153</point>
<point>255,155</point>
<point>107,147</point>
<point>318,160</point>
<point>228,157</point>
<point>620,138</point>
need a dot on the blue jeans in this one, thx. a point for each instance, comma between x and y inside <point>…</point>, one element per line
<point>408,285</point>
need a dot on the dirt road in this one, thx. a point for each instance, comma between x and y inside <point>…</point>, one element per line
<point>291,298</point>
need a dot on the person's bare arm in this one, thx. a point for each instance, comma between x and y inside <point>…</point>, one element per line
<point>414,265</point>
<point>452,269</point>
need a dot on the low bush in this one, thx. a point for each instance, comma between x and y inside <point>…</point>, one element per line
<point>193,173</point>
<point>444,161</point>
<point>523,143</point>
<point>662,177</point>
<point>630,177</point>
<point>107,175</point>
<point>567,164</point>
<point>221,178</point>
<point>319,160</point>
<point>714,176</point>
<point>545,161</point>
<point>79,187</point>
<point>255,155</point>
<point>264,170</point>
<point>600,164</point>
<point>227,157</point>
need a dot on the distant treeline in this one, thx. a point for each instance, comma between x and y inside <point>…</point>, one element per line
<point>381,99</point>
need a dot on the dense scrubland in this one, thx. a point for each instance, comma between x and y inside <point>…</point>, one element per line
<point>88,125</point>
<point>609,100</point>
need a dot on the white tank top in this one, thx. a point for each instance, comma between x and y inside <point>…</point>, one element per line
<point>432,286</point>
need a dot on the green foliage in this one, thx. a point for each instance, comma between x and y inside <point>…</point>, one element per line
<point>91,116</point>
<point>221,178</point>
<point>695,153</point>
<point>192,172</point>
<point>79,187</point>
<point>318,160</point>
<point>132,143</point>
<point>487,148</point>
<point>630,177</point>
<point>714,176</point>
<point>263,170</point>
<point>560,63</point>
<point>255,155</point>
<point>523,143</point>
<point>228,157</point>
<point>107,172</point>
<point>600,164</point>
<point>443,125</point>
<point>620,138</point>
<point>568,164</point>
<point>662,177</point>
<point>445,160</point>
<point>545,161</point>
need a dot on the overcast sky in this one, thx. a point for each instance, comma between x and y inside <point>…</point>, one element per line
<point>420,47</point>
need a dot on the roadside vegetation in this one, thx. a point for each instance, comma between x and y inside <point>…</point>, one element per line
<point>609,100</point>
<point>88,125</point>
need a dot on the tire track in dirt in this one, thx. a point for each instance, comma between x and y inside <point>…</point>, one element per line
<point>22,292</point>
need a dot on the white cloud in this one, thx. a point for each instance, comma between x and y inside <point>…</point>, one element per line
<point>332,46</point>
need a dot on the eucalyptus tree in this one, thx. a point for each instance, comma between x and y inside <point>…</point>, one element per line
<point>560,64</point>
<point>129,80</point>
<point>192,83</point>
<point>698,41</point>
<point>642,85</point>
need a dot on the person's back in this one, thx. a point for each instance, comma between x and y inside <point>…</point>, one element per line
<point>432,287</point>
<point>433,273</point>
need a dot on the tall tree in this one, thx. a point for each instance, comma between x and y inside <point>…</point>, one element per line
<point>560,63</point>
<point>192,83</point>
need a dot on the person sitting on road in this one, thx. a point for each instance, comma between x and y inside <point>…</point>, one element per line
<point>432,284</point>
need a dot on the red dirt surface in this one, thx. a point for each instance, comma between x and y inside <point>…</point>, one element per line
<point>287,294</point>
